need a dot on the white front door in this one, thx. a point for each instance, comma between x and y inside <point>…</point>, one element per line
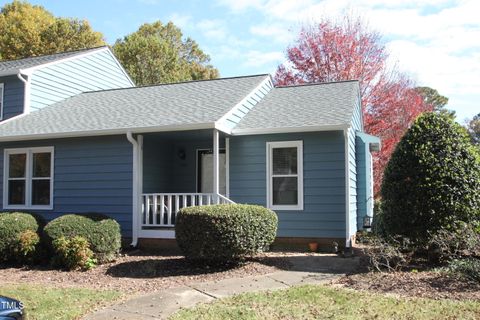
<point>205,171</point>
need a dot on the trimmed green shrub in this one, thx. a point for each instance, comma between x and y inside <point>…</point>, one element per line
<point>17,242</point>
<point>101,232</point>
<point>73,253</point>
<point>432,180</point>
<point>225,233</point>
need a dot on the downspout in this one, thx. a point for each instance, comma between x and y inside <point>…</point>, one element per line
<point>135,194</point>
<point>26,93</point>
<point>347,190</point>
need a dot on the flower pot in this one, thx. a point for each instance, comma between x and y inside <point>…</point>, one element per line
<point>313,246</point>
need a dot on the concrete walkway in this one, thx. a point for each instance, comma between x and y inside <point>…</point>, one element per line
<point>314,269</point>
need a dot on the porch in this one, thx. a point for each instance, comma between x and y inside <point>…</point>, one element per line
<point>177,170</point>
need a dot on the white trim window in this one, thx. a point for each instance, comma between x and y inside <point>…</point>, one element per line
<point>28,178</point>
<point>2,89</point>
<point>285,175</point>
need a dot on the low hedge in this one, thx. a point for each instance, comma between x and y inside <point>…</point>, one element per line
<point>224,233</point>
<point>101,232</point>
<point>19,236</point>
<point>73,253</point>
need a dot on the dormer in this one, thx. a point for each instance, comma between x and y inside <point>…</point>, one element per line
<point>30,84</point>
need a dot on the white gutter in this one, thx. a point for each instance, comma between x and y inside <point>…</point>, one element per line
<point>135,189</point>
<point>107,132</point>
<point>347,191</point>
<point>26,93</point>
<point>241,132</point>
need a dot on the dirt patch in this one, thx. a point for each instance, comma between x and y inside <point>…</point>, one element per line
<point>432,285</point>
<point>140,272</point>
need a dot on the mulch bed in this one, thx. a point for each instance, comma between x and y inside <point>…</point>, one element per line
<point>426,284</point>
<point>142,272</point>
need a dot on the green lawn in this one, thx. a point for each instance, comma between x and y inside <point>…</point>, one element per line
<point>322,302</point>
<point>54,304</point>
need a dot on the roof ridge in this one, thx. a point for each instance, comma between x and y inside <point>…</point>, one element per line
<point>314,84</point>
<point>56,53</point>
<point>179,82</point>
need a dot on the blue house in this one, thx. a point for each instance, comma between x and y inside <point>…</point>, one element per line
<point>77,136</point>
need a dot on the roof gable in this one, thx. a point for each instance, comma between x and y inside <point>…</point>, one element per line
<point>28,64</point>
<point>180,106</point>
<point>310,107</point>
<point>194,105</point>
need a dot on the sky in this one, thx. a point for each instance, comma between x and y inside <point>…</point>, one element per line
<point>437,42</point>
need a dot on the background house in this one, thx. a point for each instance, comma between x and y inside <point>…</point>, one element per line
<point>83,139</point>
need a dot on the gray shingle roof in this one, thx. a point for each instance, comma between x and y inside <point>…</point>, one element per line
<point>181,104</point>
<point>323,104</point>
<point>12,66</point>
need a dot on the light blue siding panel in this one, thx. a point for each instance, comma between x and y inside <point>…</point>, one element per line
<point>352,169</point>
<point>98,71</point>
<point>362,181</point>
<point>365,197</point>
<point>324,181</point>
<point>356,126</point>
<point>13,89</point>
<point>84,181</point>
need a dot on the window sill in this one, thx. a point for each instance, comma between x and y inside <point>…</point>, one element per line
<point>28,207</point>
<point>286,208</point>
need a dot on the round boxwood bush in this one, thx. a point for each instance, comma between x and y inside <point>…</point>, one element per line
<point>224,233</point>
<point>15,228</point>
<point>432,180</point>
<point>101,232</point>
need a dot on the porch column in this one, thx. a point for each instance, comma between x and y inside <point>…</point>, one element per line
<point>216,172</point>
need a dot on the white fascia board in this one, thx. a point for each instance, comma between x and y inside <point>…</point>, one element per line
<point>11,72</point>
<point>108,132</point>
<point>223,128</point>
<point>227,115</point>
<point>242,132</point>
<point>29,71</point>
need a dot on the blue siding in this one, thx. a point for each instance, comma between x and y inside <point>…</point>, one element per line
<point>164,171</point>
<point>90,175</point>
<point>363,181</point>
<point>356,126</point>
<point>352,172</point>
<point>157,166</point>
<point>97,71</point>
<point>324,181</point>
<point>365,197</point>
<point>13,96</point>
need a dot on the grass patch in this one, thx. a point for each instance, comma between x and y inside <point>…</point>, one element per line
<point>55,304</point>
<point>321,302</point>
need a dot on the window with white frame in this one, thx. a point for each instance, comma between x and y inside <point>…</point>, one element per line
<point>28,178</point>
<point>285,175</point>
<point>1,101</point>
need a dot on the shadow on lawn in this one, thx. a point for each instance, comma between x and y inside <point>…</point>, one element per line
<point>165,267</point>
<point>172,266</point>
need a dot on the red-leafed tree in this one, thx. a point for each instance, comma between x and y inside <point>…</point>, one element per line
<point>348,49</point>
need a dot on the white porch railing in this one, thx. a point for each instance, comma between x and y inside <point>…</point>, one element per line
<point>160,209</point>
